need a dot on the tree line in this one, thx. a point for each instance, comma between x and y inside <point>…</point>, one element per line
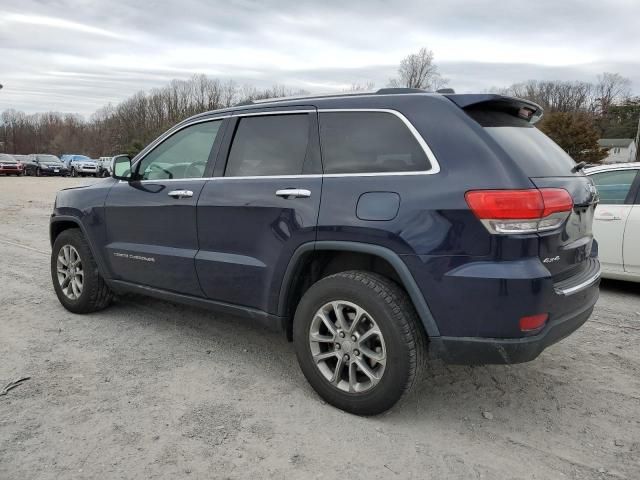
<point>577,113</point>
<point>128,126</point>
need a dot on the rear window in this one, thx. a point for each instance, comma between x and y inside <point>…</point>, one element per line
<point>535,153</point>
<point>369,142</point>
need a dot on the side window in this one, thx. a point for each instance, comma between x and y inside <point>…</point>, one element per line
<point>613,187</point>
<point>368,142</point>
<point>269,145</point>
<point>183,155</point>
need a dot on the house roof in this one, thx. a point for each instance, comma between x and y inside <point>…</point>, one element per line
<point>615,142</point>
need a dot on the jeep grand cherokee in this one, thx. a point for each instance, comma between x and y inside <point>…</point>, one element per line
<point>374,229</point>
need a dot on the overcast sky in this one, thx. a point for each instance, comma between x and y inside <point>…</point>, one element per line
<point>76,56</point>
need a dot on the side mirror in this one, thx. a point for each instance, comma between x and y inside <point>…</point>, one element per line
<point>121,167</point>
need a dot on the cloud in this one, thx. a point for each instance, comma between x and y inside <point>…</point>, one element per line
<point>79,55</point>
<point>53,22</point>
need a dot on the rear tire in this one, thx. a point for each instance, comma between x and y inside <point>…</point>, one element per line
<point>75,276</point>
<point>395,358</point>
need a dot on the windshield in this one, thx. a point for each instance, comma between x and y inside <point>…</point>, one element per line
<point>6,158</point>
<point>82,158</point>
<point>48,158</point>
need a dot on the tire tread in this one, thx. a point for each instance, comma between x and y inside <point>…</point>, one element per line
<point>408,334</point>
<point>404,315</point>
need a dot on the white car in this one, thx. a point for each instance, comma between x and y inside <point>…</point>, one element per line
<point>616,222</point>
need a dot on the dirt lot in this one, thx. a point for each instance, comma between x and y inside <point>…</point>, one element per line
<point>146,389</point>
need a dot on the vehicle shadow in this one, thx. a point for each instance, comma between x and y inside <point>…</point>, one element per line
<point>619,286</point>
<point>444,393</point>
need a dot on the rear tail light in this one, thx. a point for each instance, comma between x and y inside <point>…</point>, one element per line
<point>533,322</point>
<point>520,211</point>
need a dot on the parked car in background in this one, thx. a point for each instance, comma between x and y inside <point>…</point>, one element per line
<point>41,165</point>
<point>23,159</point>
<point>374,230</point>
<point>9,165</point>
<point>80,165</point>
<point>616,223</point>
<point>104,166</point>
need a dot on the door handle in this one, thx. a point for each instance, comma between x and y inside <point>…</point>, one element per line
<point>293,193</point>
<point>181,193</point>
<point>607,217</point>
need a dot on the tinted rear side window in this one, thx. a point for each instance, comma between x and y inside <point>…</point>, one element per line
<point>534,152</point>
<point>269,145</point>
<point>369,142</point>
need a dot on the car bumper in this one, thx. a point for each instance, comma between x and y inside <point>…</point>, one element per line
<point>52,173</point>
<point>477,306</point>
<point>10,171</point>
<point>482,351</point>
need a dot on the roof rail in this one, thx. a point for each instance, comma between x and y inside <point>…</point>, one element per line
<point>445,90</point>
<point>396,90</point>
<point>381,91</point>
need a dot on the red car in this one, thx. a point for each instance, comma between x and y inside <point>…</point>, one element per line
<point>9,165</point>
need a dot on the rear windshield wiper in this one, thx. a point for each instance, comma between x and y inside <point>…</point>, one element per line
<point>579,166</point>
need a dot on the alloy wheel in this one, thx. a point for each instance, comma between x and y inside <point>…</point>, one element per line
<point>347,346</point>
<point>70,272</point>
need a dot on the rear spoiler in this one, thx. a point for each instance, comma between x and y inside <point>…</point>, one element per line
<point>517,107</point>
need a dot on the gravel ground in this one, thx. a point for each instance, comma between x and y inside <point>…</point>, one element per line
<point>147,389</point>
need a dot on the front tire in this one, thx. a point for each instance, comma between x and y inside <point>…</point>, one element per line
<point>75,276</point>
<point>358,341</point>
<point>38,172</point>
<point>73,172</point>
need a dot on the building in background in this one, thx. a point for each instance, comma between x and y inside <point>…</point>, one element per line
<point>619,150</point>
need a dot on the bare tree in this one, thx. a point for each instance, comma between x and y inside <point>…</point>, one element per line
<point>417,70</point>
<point>566,96</point>
<point>361,87</point>
<point>611,89</point>
<point>555,95</point>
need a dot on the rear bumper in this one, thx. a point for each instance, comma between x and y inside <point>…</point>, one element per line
<point>478,351</point>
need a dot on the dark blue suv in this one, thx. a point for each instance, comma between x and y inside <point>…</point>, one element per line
<point>376,230</point>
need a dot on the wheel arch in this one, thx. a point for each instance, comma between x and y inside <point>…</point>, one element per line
<point>60,223</point>
<point>300,260</point>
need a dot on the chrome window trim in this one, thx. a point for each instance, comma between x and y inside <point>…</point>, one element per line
<point>435,166</point>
